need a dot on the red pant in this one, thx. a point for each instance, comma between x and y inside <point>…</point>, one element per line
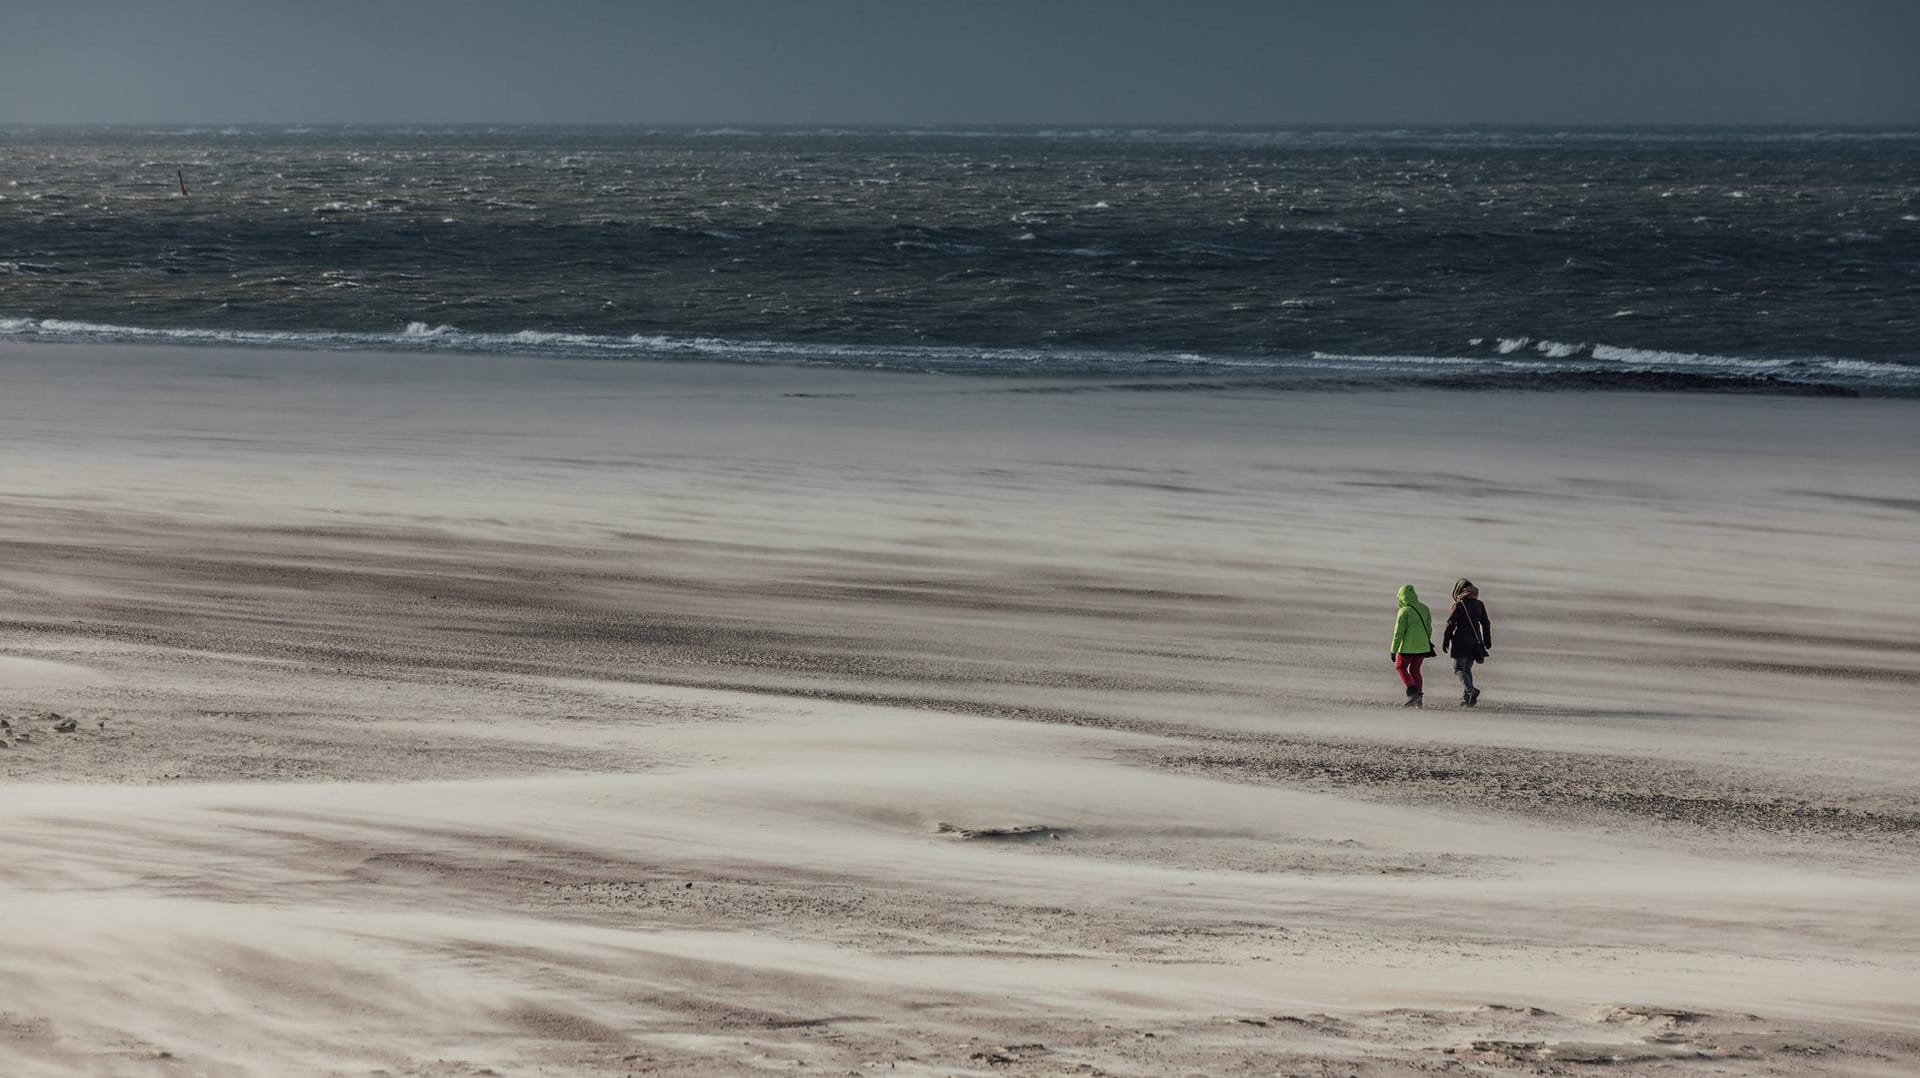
<point>1409,669</point>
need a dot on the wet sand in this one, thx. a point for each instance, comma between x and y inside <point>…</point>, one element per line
<point>442,716</point>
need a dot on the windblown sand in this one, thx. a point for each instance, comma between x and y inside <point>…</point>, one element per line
<point>451,716</point>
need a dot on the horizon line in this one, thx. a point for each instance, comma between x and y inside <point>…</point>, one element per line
<point>1017,124</point>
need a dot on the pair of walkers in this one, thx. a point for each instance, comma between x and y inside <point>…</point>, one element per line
<point>1468,637</point>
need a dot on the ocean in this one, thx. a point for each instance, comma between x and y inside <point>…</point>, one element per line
<point>1669,259</point>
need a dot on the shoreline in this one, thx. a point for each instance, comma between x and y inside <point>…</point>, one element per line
<point>1555,368</point>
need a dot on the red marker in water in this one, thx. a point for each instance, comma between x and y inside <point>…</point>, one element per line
<point>183,182</point>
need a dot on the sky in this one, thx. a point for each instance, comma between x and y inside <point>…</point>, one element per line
<point>1820,62</point>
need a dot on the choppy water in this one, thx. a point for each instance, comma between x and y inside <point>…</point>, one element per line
<point>1658,258</point>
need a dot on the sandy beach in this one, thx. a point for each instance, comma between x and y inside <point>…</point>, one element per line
<point>440,715</point>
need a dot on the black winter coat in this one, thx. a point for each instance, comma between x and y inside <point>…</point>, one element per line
<point>1469,634</point>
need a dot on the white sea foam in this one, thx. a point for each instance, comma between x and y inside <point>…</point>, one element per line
<point>422,336</point>
<point>1356,361</point>
<point>1862,368</point>
<point>1654,358</point>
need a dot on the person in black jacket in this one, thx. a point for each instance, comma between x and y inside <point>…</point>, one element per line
<point>1468,637</point>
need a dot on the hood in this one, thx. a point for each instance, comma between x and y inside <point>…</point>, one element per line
<point>1407,595</point>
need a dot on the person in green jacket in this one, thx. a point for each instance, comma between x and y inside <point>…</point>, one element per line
<point>1412,643</point>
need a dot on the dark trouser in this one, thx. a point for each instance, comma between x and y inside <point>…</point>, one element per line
<point>1464,668</point>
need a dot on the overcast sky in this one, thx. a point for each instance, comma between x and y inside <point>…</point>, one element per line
<point>961,61</point>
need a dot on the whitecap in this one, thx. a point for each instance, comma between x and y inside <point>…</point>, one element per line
<point>421,336</point>
<point>1656,358</point>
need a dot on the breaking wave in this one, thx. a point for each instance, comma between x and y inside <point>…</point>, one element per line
<point>1500,363</point>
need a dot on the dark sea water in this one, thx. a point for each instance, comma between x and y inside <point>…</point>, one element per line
<point>1786,260</point>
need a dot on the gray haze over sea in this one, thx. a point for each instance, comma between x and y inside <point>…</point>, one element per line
<point>1782,260</point>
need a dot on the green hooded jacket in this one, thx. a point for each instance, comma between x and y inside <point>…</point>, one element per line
<point>1413,627</point>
